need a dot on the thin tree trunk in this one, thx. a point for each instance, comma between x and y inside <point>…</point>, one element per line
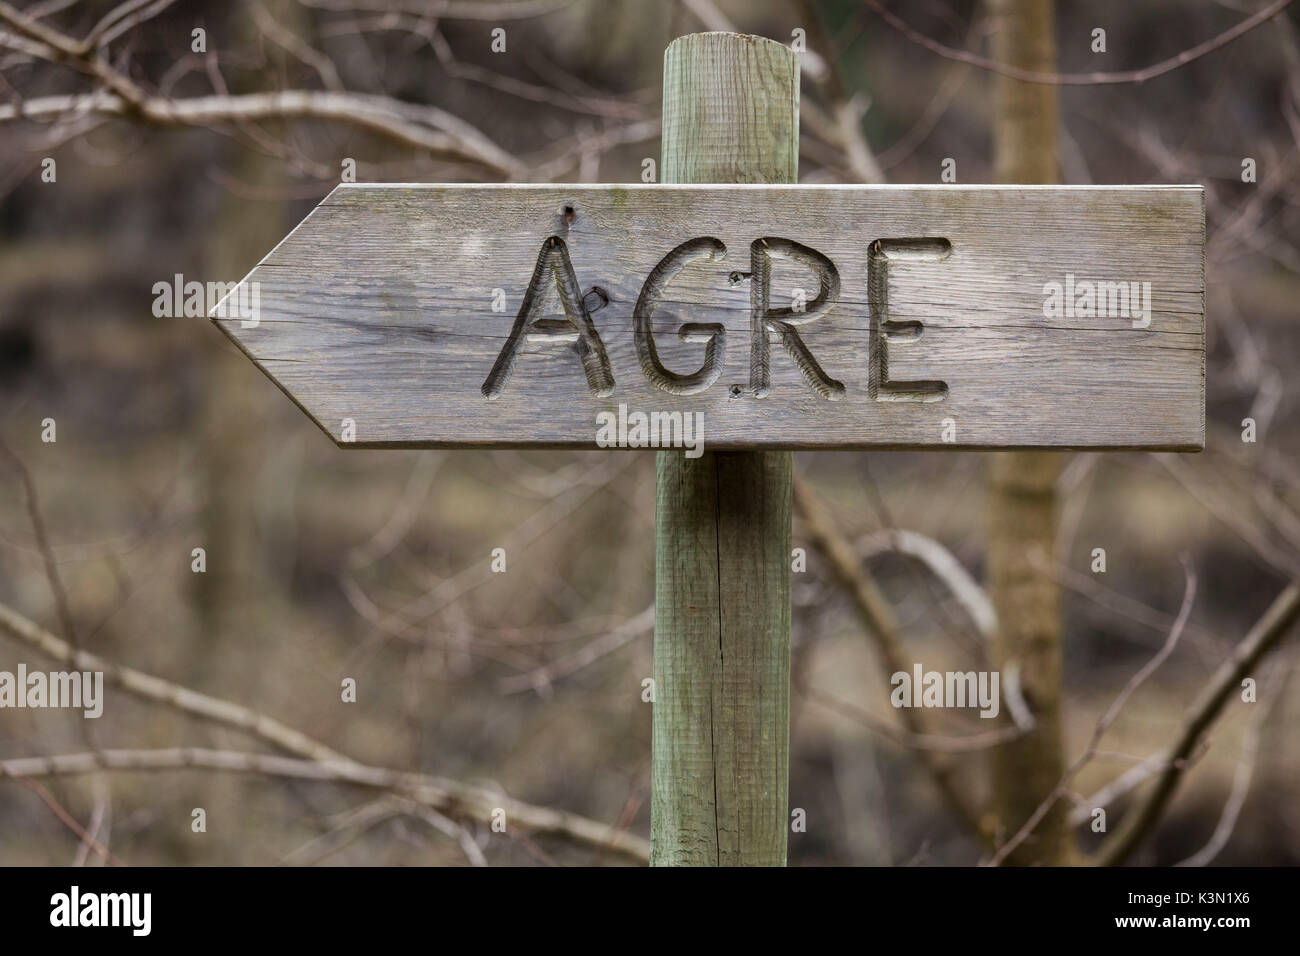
<point>1022,492</point>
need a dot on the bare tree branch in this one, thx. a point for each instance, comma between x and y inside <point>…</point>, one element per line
<point>1241,777</point>
<point>423,127</point>
<point>1095,78</point>
<point>449,9</point>
<point>876,613</point>
<point>543,677</point>
<point>1263,637</point>
<point>943,565</point>
<point>317,760</point>
<point>1062,789</point>
<point>121,19</point>
<point>459,799</point>
<point>939,743</point>
<point>299,48</point>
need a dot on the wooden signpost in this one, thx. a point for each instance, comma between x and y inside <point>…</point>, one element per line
<point>735,322</point>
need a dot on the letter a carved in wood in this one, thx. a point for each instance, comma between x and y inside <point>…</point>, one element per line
<point>575,327</point>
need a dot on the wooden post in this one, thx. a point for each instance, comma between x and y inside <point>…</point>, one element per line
<point>721,735</point>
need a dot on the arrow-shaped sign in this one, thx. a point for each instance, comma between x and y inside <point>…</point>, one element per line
<point>749,316</point>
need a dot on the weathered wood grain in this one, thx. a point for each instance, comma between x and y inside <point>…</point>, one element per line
<point>721,659</point>
<point>379,308</point>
